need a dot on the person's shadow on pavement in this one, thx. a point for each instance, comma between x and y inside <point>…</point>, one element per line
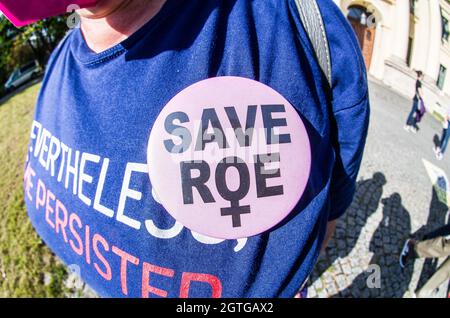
<point>384,277</point>
<point>349,226</point>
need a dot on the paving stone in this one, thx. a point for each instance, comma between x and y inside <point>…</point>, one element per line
<point>341,245</point>
<point>322,293</point>
<point>312,292</point>
<point>346,268</point>
<point>318,284</point>
<point>341,282</point>
<point>331,289</point>
<point>365,293</point>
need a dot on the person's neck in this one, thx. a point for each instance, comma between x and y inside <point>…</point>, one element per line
<point>103,32</point>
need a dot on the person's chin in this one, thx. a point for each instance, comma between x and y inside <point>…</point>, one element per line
<point>102,9</point>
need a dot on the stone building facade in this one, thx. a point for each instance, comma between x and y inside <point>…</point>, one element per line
<point>398,37</point>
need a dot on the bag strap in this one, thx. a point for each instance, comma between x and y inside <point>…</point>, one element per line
<point>313,23</point>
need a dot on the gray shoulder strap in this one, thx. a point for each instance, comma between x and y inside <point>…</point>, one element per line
<point>312,22</point>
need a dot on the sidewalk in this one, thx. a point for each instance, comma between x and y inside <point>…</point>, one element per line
<point>402,190</point>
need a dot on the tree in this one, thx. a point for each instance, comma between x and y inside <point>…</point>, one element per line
<point>32,42</point>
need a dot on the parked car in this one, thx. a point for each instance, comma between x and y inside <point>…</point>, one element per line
<point>22,75</point>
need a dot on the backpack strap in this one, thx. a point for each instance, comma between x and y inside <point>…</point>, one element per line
<point>313,23</point>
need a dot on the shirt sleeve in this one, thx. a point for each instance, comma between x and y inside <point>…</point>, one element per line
<point>350,106</point>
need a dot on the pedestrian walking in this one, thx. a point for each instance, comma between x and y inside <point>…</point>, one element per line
<point>432,248</point>
<point>443,143</point>
<point>411,122</point>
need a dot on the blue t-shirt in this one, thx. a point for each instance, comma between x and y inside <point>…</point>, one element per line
<point>87,187</point>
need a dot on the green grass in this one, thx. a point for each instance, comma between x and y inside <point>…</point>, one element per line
<point>27,267</point>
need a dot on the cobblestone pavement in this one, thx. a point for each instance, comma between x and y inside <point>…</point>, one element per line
<point>401,193</point>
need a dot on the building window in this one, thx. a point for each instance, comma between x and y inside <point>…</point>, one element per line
<point>412,7</point>
<point>445,29</point>
<point>409,54</point>
<point>441,78</point>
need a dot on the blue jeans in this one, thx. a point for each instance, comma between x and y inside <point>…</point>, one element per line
<point>411,121</point>
<point>444,139</point>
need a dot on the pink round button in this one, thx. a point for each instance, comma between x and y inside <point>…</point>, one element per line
<point>229,157</point>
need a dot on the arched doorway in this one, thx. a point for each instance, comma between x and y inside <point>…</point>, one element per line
<point>361,21</point>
